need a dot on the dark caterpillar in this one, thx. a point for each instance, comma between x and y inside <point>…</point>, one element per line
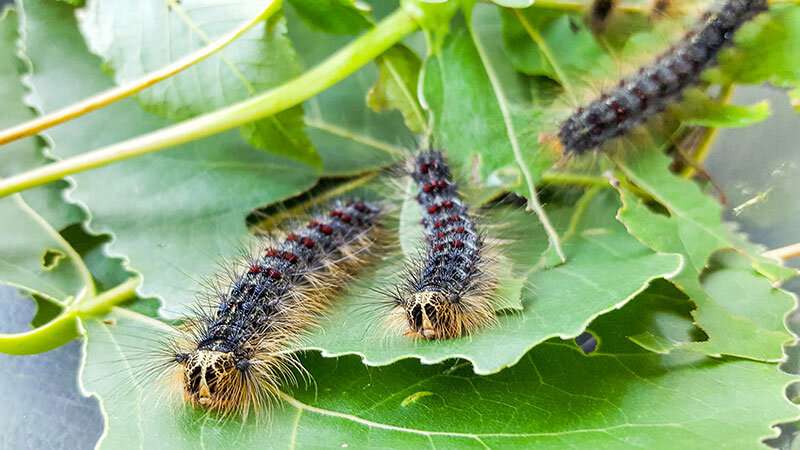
<point>445,294</point>
<point>234,355</point>
<point>654,87</point>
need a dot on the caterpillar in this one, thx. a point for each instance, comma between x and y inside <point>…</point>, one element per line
<point>446,293</point>
<point>235,353</point>
<point>654,87</point>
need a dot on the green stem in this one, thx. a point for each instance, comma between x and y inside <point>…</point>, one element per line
<point>66,326</point>
<point>112,297</point>
<point>573,179</point>
<point>334,69</point>
<point>110,96</point>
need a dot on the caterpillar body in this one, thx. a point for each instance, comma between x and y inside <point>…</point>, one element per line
<point>446,294</point>
<point>235,354</point>
<point>654,87</point>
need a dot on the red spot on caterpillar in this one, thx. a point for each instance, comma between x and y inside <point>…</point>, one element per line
<point>271,253</point>
<point>457,244</point>
<point>346,218</point>
<point>308,242</point>
<point>274,274</point>
<point>290,257</point>
<point>447,204</point>
<point>441,184</point>
<point>291,237</point>
<point>459,229</point>
<point>424,167</point>
<point>438,224</point>
<point>313,224</point>
<point>427,187</point>
<point>454,218</point>
<point>619,111</point>
<point>433,209</point>
<point>335,213</point>
<point>254,268</point>
<point>439,247</point>
<point>326,229</point>
<point>360,207</point>
<point>440,235</point>
<point>641,96</point>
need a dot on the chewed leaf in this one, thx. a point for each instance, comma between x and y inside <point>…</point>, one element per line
<point>166,31</point>
<point>33,256</point>
<point>618,397</point>
<point>695,229</point>
<point>606,268</point>
<point>21,263</point>
<point>658,320</point>
<point>171,234</point>
<point>26,154</point>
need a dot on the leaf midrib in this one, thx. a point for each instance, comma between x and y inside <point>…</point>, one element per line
<point>195,28</point>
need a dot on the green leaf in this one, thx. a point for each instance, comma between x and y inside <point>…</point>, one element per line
<point>658,320</point>
<point>477,105</point>
<point>333,16</point>
<point>26,154</point>
<point>694,228</point>
<point>482,114</point>
<point>349,136</point>
<point>555,397</point>
<point>702,111</point>
<point>22,261</point>
<point>766,50</point>
<point>190,202</point>
<point>163,32</point>
<point>29,236</point>
<point>606,268</point>
<point>396,88</point>
<point>565,37</point>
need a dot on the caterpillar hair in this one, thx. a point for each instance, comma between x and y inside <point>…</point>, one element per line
<point>654,87</point>
<point>234,355</point>
<point>446,293</point>
<point>599,12</point>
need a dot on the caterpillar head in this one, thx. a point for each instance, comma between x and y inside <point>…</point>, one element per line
<point>212,379</point>
<point>431,315</point>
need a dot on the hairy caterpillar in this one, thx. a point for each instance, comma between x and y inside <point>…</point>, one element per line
<point>446,294</point>
<point>654,87</point>
<point>235,353</point>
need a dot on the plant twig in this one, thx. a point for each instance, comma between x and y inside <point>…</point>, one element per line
<point>112,95</point>
<point>334,69</point>
<point>66,326</point>
<point>784,253</point>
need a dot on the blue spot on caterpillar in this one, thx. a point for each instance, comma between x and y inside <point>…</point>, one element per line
<point>654,87</point>
<point>445,294</point>
<point>235,354</point>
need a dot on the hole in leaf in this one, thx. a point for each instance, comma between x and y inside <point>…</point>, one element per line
<point>51,258</point>
<point>587,342</point>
